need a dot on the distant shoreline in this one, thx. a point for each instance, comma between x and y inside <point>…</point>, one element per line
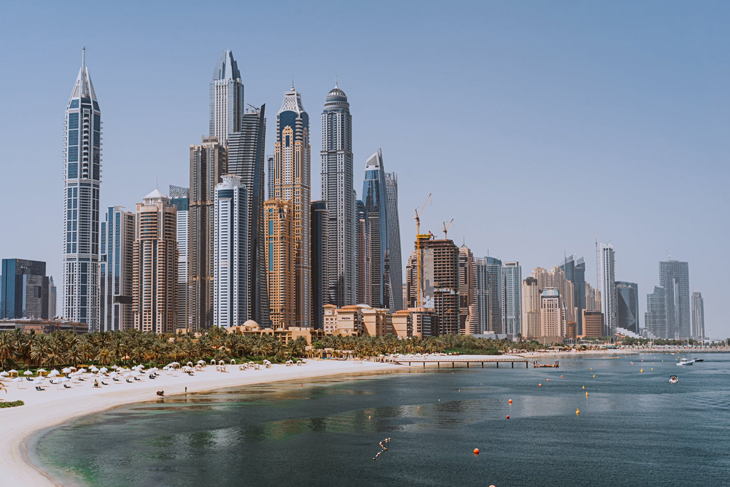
<point>52,408</point>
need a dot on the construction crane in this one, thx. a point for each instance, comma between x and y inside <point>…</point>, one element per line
<point>418,248</point>
<point>446,228</point>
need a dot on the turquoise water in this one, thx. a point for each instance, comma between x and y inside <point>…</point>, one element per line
<point>634,429</point>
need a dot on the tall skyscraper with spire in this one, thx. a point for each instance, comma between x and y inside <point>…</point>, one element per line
<point>337,191</point>
<point>609,303</point>
<point>394,250</point>
<point>226,98</point>
<point>292,182</point>
<point>82,176</point>
<point>374,196</point>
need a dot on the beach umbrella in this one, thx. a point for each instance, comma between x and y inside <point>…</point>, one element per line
<point>27,372</point>
<point>4,374</point>
<point>103,370</point>
<point>13,372</point>
<point>66,370</point>
<point>53,373</point>
<point>94,368</point>
<point>82,371</point>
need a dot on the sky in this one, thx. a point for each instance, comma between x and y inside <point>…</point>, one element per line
<point>535,125</point>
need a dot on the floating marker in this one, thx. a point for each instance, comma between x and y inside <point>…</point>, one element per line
<point>577,412</point>
<point>561,376</point>
<point>548,380</point>
<point>652,368</point>
<point>510,401</point>
<point>586,394</point>
<point>642,371</point>
<point>508,416</point>
<point>539,385</point>
<point>476,451</point>
<point>594,376</point>
<point>584,387</point>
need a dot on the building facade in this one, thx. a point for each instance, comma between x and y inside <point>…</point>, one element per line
<point>395,262</point>
<point>362,264</point>
<point>292,182</point>
<point>481,323</point>
<point>467,291</point>
<point>655,318</point>
<point>512,298</point>
<point>154,293</point>
<point>574,268</point>
<point>24,289</point>
<point>320,262</point>
<point>531,312</point>
<point>698,316</point>
<point>594,326</point>
<point>245,156</point>
<point>609,301</point>
<point>374,194</point>
<point>180,199</point>
<point>226,98</point>
<point>208,164</point>
<point>494,288</point>
<point>551,314</point>
<point>82,176</point>
<point>338,192</point>
<point>627,294</point>
<point>115,270</point>
<point>52,298</point>
<point>674,278</point>
<point>280,270</point>
<point>231,284</point>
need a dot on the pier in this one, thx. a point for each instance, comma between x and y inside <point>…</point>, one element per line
<point>453,360</point>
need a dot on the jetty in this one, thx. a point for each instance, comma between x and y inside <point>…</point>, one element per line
<point>453,360</point>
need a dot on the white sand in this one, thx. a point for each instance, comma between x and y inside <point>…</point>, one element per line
<point>55,406</point>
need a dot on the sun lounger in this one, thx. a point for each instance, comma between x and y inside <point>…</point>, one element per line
<point>66,386</point>
<point>104,383</point>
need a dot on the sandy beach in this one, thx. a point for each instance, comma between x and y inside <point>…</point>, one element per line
<point>57,405</point>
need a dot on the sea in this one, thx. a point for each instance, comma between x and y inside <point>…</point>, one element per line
<point>634,428</point>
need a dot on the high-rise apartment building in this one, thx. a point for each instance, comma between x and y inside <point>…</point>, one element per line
<point>292,182</point>
<point>594,327</point>
<point>609,301</point>
<point>698,316</point>
<point>226,98</point>
<point>556,278</point>
<point>362,269</point>
<point>512,298</point>
<point>467,290</point>
<point>627,294</point>
<point>154,293</point>
<point>280,270</point>
<point>552,323</point>
<point>494,288</point>
<point>116,271</point>
<point>375,197</point>
<point>655,318</point>
<point>270,178</point>
<point>338,192</point>
<point>320,262</point>
<point>231,303</point>
<point>52,298</point>
<point>208,163</point>
<point>574,268</point>
<point>246,160</point>
<point>24,289</point>
<point>674,278</point>
<point>481,323</point>
<point>395,262</point>
<point>531,310</point>
<point>180,199</point>
<point>82,173</point>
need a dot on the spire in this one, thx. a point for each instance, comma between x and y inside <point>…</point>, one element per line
<point>83,58</point>
<point>336,85</point>
<point>83,88</point>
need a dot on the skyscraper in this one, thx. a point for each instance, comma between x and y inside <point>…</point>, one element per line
<point>320,263</point>
<point>394,249</point>
<point>551,314</point>
<point>698,316</point>
<point>246,160</point>
<point>292,182</point>
<point>363,272</point>
<point>52,298</point>
<point>154,294</point>
<point>481,324</point>
<point>674,278</point>
<point>115,268</point>
<point>494,289</point>
<point>337,191</point>
<point>280,269</point>
<point>82,171</point>
<point>512,298</point>
<point>226,98</point>
<point>575,271</point>
<point>467,291</point>
<point>208,163</point>
<point>530,309</point>
<point>24,289</point>
<point>655,318</point>
<point>375,198</point>
<point>231,303</point>
<point>609,304</point>
<point>180,199</point>
<point>627,294</point>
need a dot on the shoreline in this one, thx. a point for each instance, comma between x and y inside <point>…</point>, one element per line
<point>51,408</point>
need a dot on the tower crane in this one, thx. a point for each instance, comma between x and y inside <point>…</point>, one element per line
<point>446,228</point>
<point>418,248</point>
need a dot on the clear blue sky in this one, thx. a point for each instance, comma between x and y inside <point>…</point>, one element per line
<point>532,123</point>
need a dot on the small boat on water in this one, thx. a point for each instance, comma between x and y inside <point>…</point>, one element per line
<point>699,360</point>
<point>684,361</point>
<point>538,366</point>
<point>673,379</point>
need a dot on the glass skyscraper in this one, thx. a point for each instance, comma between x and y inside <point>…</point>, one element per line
<point>24,289</point>
<point>226,98</point>
<point>320,263</point>
<point>494,290</point>
<point>374,196</point>
<point>338,192</point>
<point>609,304</point>
<point>655,319</point>
<point>82,175</point>
<point>674,278</point>
<point>627,295</point>
<point>115,267</point>
<point>180,199</point>
<point>512,298</point>
<point>698,316</point>
<point>394,248</point>
<point>575,271</point>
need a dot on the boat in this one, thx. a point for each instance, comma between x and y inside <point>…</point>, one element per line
<point>684,361</point>
<point>673,379</point>
<point>538,366</point>
<point>699,360</point>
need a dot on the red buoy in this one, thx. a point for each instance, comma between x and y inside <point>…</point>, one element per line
<point>510,401</point>
<point>476,451</point>
<point>508,416</point>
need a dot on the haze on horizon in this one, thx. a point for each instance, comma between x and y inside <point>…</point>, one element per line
<point>533,124</point>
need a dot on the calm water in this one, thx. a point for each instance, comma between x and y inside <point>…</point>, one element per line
<point>633,429</point>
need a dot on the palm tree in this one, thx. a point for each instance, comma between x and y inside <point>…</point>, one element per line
<point>40,349</point>
<point>7,348</point>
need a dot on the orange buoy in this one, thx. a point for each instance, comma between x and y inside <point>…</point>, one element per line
<point>641,371</point>
<point>586,394</point>
<point>548,380</point>
<point>476,451</point>
<point>591,368</point>
<point>577,412</point>
<point>561,376</point>
<point>508,416</point>
<point>584,387</point>
<point>539,385</point>
<point>510,401</point>
<point>594,376</point>
<point>652,368</point>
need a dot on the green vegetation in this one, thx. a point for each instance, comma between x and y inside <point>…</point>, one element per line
<point>22,350</point>
<point>11,404</point>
